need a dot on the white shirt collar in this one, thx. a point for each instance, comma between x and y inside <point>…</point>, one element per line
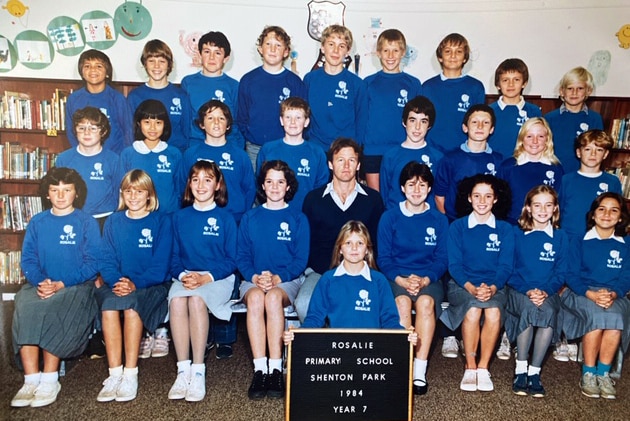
<point>207,208</point>
<point>142,148</point>
<point>408,213</point>
<point>365,271</point>
<point>592,234</point>
<point>358,189</point>
<point>443,77</point>
<point>524,159</point>
<point>590,174</point>
<point>547,230</point>
<point>502,104</point>
<point>472,221</point>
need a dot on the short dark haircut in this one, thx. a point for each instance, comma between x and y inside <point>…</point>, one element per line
<point>217,39</point>
<point>211,106</point>
<point>57,175</point>
<point>511,65</point>
<point>210,168</point>
<point>280,34</point>
<point>415,169</point>
<point>152,109</point>
<point>501,189</point>
<point>344,142</point>
<point>96,55</point>
<point>621,226</point>
<point>289,175</point>
<point>454,39</point>
<point>419,105</point>
<point>479,108</point>
<point>94,116</point>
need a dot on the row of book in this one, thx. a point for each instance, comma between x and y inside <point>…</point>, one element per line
<point>620,132</point>
<point>19,111</point>
<point>24,162</point>
<point>10,271</point>
<point>624,178</point>
<point>17,211</point>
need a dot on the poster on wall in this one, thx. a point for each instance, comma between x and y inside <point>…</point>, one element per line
<point>34,50</point>
<point>8,58</point>
<point>98,28</point>
<point>66,35</point>
<point>133,20</point>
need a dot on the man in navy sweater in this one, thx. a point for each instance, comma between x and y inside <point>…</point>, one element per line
<point>329,207</point>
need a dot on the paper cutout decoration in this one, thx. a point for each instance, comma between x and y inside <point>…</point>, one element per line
<point>133,20</point>
<point>8,57</point>
<point>189,43</point>
<point>66,35</point>
<point>34,50</point>
<point>322,14</point>
<point>16,8</point>
<point>624,36</point>
<point>99,30</point>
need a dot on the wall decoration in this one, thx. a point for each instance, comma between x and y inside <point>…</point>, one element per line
<point>599,65</point>
<point>98,28</point>
<point>189,43</point>
<point>133,20</point>
<point>66,35</point>
<point>34,50</point>
<point>322,14</point>
<point>624,36</point>
<point>8,57</point>
<point>18,9</point>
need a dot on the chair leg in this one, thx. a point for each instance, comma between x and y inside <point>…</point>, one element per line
<point>615,373</point>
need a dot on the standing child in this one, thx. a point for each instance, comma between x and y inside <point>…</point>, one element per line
<point>55,309</point>
<point>573,117</point>
<point>157,60</point>
<point>306,159</point>
<point>533,163</point>
<point>262,90</point>
<point>273,242</point>
<point>596,307</point>
<point>452,92</point>
<point>96,71</point>
<point>135,267</point>
<point>417,119</point>
<point>480,259</point>
<point>511,110</point>
<point>204,261</point>
<point>98,166</point>
<point>211,83</point>
<point>412,254</point>
<point>338,98</point>
<point>152,154</point>
<point>388,91</point>
<point>541,263</point>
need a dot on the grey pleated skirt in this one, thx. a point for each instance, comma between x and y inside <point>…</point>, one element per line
<point>150,303</point>
<point>291,288</point>
<point>460,301</point>
<point>581,315</point>
<point>60,324</point>
<point>434,290</point>
<point>520,313</point>
<point>216,295</point>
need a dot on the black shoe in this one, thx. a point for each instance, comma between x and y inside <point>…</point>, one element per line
<point>224,352</point>
<point>96,346</point>
<point>275,384</point>
<point>258,388</point>
<point>209,347</point>
<point>420,387</point>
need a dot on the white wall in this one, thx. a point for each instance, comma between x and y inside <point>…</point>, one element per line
<point>552,36</point>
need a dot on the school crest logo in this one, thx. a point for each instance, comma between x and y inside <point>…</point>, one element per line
<point>322,14</point>
<point>97,174</point>
<point>284,233</point>
<point>304,170</point>
<point>363,303</point>
<point>146,239</point>
<point>68,235</point>
<point>212,228</point>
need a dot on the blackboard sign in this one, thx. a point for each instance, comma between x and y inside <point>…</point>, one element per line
<point>349,374</point>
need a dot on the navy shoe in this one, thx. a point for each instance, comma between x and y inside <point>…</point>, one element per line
<point>224,352</point>
<point>258,388</point>
<point>519,387</point>
<point>534,387</point>
<point>420,387</point>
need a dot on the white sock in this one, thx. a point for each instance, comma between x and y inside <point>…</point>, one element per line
<point>50,377</point>
<point>198,368</point>
<point>34,378</point>
<point>533,370</point>
<point>260,364</point>
<point>116,371</point>
<point>130,371</point>
<point>521,367</point>
<point>183,367</point>
<point>419,369</point>
<point>275,364</point>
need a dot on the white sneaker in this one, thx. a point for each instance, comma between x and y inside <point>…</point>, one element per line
<point>469,381</point>
<point>45,394</point>
<point>573,352</point>
<point>146,345</point>
<point>484,383</point>
<point>450,347</point>
<point>160,343</point>
<point>196,388</point>
<point>179,388</point>
<point>128,388</point>
<point>505,348</point>
<point>24,396</point>
<point>110,386</point>
<point>561,353</point>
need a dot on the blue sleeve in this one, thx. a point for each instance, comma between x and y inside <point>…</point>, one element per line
<point>248,183</point>
<point>455,254</point>
<point>30,262</point>
<point>71,107</point>
<point>318,306</point>
<point>227,265</point>
<point>124,118</point>
<point>574,280</point>
<point>159,267</point>
<point>244,250</point>
<point>506,255</point>
<point>386,261</point>
<point>241,114</point>
<point>90,248</point>
<point>561,266</point>
<point>389,318</point>
<point>440,254</point>
<point>361,112</point>
<point>177,266</point>
<point>110,259</point>
<point>300,252</point>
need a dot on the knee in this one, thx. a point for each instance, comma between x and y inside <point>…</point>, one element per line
<point>492,315</point>
<point>425,305</point>
<point>473,315</point>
